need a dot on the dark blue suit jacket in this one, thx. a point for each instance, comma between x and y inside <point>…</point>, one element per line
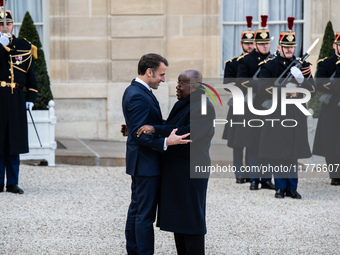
<point>140,107</point>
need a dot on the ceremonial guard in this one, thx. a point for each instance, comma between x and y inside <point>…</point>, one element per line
<point>18,91</point>
<point>282,145</point>
<point>230,72</point>
<point>247,45</point>
<point>246,136</point>
<point>327,136</point>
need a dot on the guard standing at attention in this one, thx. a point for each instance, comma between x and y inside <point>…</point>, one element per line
<point>18,91</point>
<point>230,72</point>
<point>282,145</point>
<point>246,136</point>
<point>327,135</point>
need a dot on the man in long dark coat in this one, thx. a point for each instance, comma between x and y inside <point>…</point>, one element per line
<point>18,91</point>
<point>327,135</point>
<point>182,205</point>
<point>230,72</point>
<point>280,145</point>
<point>246,136</point>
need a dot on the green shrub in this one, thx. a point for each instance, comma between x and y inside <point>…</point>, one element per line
<point>325,51</point>
<point>29,31</point>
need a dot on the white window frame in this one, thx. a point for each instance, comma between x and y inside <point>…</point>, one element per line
<point>46,31</point>
<point>263,10</point>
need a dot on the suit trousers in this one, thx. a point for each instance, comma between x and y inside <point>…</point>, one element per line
<point>139,231</point>
<point>189,244</point>
<point>9,164</point>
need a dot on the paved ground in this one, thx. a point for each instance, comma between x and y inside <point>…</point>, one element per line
<point>82,209</point>
<point>79,207</point>
<point>112,153</point>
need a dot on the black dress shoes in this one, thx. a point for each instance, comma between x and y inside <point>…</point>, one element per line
<point>254,185</point>
<point>1,188</point>
<point>335,181</point>
<point>14,188</point>
<point>240,180</point>
<point>280,193</point>
<point>267,185</point>
<point>293,194</point>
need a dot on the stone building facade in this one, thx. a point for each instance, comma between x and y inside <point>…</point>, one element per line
<point>95,46</point>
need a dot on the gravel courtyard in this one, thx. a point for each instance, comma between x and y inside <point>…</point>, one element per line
<point>82,210</point>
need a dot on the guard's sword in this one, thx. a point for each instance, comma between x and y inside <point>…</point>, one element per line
<point>312,46</point>
<point>5,27</point>
<point>35,128</point>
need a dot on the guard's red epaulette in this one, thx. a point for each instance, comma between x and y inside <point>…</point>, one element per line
<point>230,60</point>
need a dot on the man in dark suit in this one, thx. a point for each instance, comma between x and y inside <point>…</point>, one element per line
<point>327,135</point>
<point>18,91</point>
<point>141,107</point>
<point>182,204</point>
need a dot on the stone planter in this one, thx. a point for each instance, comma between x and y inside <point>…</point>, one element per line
<point>45,121</point>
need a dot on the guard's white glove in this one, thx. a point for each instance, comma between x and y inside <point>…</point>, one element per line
<point>290,85</point>
<point>29,105</point>
<point>296,72</point>
<point>4,39</point>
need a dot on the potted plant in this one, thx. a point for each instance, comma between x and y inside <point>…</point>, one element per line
<point>43,112</point>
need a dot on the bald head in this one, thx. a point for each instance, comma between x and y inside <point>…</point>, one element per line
<point>192,75</point>
<point>188,81</point>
